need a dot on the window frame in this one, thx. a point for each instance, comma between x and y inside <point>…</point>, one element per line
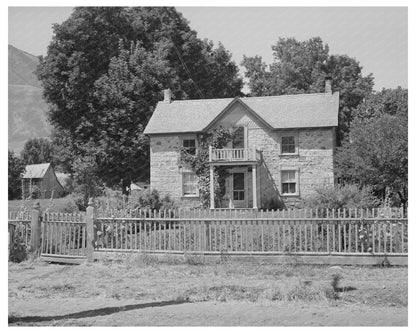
<point>190,195</point>
<point>295,137</point>
<point>296,181</point>
<point>243,130</point>
<point>188,148</point>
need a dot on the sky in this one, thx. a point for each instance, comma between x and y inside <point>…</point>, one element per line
<point>376,36</point>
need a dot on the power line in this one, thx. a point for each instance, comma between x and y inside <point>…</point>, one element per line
<point>187,69</point>
<point>178,53</point>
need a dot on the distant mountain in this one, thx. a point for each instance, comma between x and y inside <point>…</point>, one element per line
<point>21,68</point>
<point>27,109</point>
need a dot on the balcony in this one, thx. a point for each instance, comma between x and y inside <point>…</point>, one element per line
<point>234,156</point>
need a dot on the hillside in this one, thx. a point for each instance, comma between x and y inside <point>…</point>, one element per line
<point>27,109</point>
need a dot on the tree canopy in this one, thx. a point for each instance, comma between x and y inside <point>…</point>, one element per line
<point>105,70</point>
<point>126,96</point>
<point>16,168</point>
<point>37,150</point>
<point>301,67</point>
<point>376,151</point>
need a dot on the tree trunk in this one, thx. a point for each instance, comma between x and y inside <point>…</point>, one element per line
<point>125,186</point>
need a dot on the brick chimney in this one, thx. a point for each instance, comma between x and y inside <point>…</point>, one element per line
<point>328,85</point>
<point>167,96</point>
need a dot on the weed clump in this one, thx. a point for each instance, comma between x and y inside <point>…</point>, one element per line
<point>17,250</point>
<point>304,292</point>
<point>141,259</point>
<point>194,259</point>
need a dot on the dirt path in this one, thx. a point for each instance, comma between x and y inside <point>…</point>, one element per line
<point>109,312</point>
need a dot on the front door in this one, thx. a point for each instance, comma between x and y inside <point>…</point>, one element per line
<point>238,190</point>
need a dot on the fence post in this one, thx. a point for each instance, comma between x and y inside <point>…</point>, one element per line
<point>35,227</point>
<point>90,216</point>
<point>206,227</point>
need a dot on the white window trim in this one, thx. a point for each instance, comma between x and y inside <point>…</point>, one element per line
<point>297,193</point>
<point>296,137</point>
<point>190,137</point>
<point>182,179</point>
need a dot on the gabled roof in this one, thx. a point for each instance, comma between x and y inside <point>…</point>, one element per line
<point>229,106</point>
<point>280,112</point>
<point>36,170</point>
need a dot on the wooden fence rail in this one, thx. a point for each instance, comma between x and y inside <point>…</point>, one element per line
<point>291,235</point>
<point>388,212</point>
<point>63,234</point>
<point>351,232</point>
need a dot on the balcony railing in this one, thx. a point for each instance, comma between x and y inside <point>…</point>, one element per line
<point>234,155</point>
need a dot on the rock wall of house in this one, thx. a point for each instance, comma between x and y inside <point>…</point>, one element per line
<point>313,160</point>
<point>165,173</point>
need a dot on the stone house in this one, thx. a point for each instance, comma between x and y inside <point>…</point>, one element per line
<point>41,181</point>
<point>282,151</point>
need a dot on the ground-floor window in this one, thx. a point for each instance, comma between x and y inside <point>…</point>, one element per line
<point>238,186</point>
<point>189,183</point>
<point>290,182</point>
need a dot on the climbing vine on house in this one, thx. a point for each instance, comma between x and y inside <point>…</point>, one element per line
<point>199,163</point>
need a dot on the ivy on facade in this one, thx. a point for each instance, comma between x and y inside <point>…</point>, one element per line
<point>199,163</point>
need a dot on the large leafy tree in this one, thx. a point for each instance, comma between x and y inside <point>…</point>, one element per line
<point>376,152</point>
<point>85,55</point>
<point>16,168</point>
<point>37,150</point>
<point>301,67</point>
<point>126,96</point>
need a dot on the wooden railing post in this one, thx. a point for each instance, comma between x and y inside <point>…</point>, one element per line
<point>35,227</point>
<point>90,216</point>
<point>211,187</point>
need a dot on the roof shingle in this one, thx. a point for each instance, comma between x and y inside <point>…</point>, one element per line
<point>36,170</point>
<point>285,111</point>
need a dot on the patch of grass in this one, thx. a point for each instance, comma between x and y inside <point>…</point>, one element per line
<point>141,260</point>
<point>62,287</point>
<point>304,291</point>
<point>274,294</point>
<point>194,259</point>
<point>150,277</point>
<point>58,204</point>
<point>234,292</point>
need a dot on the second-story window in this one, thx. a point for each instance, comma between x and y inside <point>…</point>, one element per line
<point>238,139</point>
<point>288,145</point>
<point>190,146</point>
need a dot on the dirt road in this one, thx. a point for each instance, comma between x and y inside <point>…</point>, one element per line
<point>107,312</point>
<point>139,292</point>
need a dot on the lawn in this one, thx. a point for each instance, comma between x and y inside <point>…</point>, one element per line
<point>140,290</point>
<point>58,204</point>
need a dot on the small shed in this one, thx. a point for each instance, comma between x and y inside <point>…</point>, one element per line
<point>40,180</point>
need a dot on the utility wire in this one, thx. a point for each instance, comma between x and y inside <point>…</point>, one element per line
<point>178,53</point>
<point>187,69</point>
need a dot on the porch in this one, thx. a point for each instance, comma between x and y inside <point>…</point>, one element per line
<point>241,187</point>
<point>234,156</point>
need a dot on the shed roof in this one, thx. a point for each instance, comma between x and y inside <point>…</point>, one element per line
<point>36,170</point>
<point>280,112</point>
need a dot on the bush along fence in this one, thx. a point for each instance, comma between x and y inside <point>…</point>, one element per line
<point>351,236</point>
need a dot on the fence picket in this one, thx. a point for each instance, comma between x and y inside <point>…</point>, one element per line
<point>306,230</point>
